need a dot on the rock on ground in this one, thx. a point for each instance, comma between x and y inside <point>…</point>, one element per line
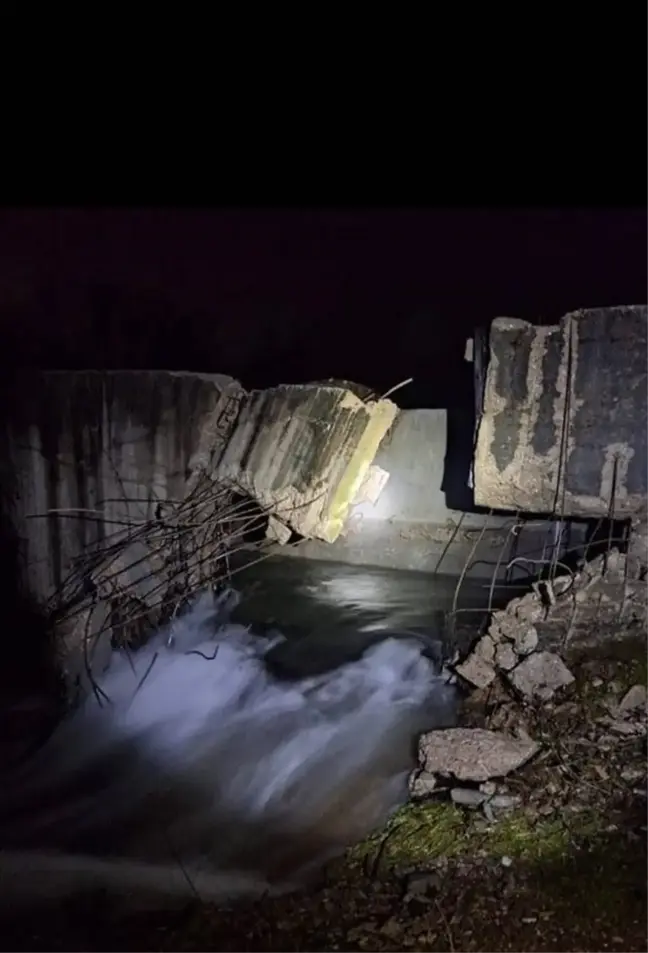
<point>473,754</point>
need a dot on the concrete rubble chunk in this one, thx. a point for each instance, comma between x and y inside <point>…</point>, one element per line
<point>467,797</point>
<point>473,754</point>
<point>505,802</point>
<point>519,615</point>
<point>499,649</point>
<point>562,584</point>
<point>526,640</point>
<point>615,562</point>
<point>603,600</point>
<point>486,649</point>
<point>540,675</point>
<point>478,668</point>
<point>528,607</point>
<point>504,625</point>
<point>635,697</point>
<point>276,531</point>
<point>505,657</point>
<point>422,784</point>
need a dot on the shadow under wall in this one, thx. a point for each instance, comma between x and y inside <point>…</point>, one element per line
<point>31,689</point>
<point>460,432</point>
<point>460,438</point>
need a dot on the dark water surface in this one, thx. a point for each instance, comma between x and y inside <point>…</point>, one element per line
<point>336,604</point>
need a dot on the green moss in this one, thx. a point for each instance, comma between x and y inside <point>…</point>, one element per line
<point>413,833</point>
<point>541,840</point>
<point>420,832</point>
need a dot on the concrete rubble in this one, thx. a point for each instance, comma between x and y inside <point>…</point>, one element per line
<point>589,761</point>
<point>521,664</point>
<point>525,641</point>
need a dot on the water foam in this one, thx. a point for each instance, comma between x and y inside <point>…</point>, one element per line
<point>204,773</point>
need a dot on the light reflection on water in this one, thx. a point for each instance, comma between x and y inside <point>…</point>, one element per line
<point>327,600</point>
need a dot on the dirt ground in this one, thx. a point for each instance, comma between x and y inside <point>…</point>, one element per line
<point>565,870</point>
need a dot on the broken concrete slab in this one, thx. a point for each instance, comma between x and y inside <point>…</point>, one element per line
<point>304,453</point>
<point>277,532</point>
<point>540,675</point>
<point>473,754</point>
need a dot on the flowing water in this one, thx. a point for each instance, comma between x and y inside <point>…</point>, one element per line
<point>223,759</point>
<point>332,609</point>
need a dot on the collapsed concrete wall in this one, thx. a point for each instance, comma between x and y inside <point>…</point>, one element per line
<point>304,452</point>
<point>92,454</point>
<point>563,421</point>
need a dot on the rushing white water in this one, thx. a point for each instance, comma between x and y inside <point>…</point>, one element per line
<point>206,774</point>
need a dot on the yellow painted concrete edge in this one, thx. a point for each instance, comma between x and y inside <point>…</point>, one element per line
<point>382,415</point>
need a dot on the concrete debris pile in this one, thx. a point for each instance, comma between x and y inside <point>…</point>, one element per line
<point>525,641</point>
<point>582,756</point>
<point>518,672</point>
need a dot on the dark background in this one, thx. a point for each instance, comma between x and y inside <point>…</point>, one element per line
<point>291,295</point>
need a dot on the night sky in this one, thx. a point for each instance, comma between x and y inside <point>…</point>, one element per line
<point>276,296</point>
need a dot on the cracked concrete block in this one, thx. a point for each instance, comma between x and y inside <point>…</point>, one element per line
<point>478,668</point>
<point>541,675</point>
<point>505,657</point>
